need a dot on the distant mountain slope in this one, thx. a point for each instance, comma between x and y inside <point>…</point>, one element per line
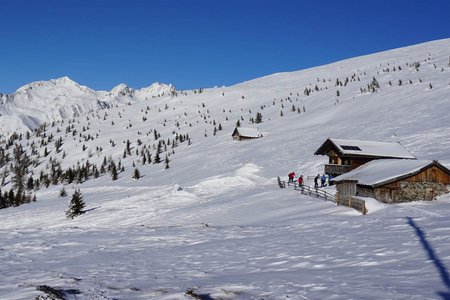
<point>62,98</point>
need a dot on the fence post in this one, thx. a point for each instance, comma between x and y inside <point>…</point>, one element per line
<point>280,183</point>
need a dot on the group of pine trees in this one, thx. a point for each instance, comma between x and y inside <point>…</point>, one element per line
<point>21,153</point>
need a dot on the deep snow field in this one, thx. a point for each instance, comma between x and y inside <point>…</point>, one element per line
<point>215,223</point>
<point>241,241</point>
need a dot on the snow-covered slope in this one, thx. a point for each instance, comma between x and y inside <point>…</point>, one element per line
<point>215,222</point>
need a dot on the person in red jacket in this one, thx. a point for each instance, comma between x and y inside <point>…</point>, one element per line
<point>300,180</point>
<point>291,177</point>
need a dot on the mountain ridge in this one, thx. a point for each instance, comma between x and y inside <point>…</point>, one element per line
<point>65,92</point>
<point>61,98</point>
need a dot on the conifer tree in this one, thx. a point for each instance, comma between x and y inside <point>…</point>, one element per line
<point>128,147</point>
<point>3,202</point>
<point>62,192</point>
<point>167,162</point>
<point>136,174</point>
<point>10,197</point>
<point>157,158</point>
<point>76,205</point>
<point>258,118</point>
<point>30,183</point>
<point>19,169</point>
<point>114,173</point>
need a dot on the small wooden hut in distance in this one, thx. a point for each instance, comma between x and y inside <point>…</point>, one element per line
<point>245,133</point>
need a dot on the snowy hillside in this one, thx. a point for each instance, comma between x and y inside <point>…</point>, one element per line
<point>209,219</point>
<point>62,98</point>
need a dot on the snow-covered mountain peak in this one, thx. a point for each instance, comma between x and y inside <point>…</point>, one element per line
<point>122,90</point>
<point>156,89</point>
<point>62,82</point>
<point>60,98</point>
<point>65,80</point>
<point>119,87</point>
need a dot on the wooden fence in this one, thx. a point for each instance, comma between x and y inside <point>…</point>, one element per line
<point>349,201</point>
<point>307,190</point>
<point>353,202</point>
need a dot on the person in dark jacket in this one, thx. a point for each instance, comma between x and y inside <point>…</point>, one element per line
<point>316,181</point>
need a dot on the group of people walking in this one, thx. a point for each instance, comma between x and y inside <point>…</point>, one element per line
<point>322,179</point>
<point>291,177</point>
<point>319,181</point>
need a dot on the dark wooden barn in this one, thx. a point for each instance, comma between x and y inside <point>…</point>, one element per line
<point>396,180</point>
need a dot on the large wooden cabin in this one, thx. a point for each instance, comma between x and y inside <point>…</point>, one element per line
<point>347,155</point>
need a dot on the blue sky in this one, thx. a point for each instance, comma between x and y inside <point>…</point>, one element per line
<point>200,43</point>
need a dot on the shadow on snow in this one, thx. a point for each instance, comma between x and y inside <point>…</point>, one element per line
<point>433,257</point>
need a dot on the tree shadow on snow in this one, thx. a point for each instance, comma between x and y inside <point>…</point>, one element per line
<point>433,257</point>
<point>91,209</point>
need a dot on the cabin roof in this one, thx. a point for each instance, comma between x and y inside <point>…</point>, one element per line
<point>247,132</point>
<point>364,148</point>
<point>383,171</point>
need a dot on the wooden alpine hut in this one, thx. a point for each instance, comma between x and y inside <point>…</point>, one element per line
<point>346,155</point>
<point>245,133</point>
<point>395,180</point>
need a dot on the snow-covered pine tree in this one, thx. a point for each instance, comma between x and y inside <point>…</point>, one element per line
<point>157,158</point>
<point>62,192</point>
<point>19,168</point>
<point>167,162</point>
<point>136,174</point>
<point>114,173</point>
<point>76,205</point>
<point>258,118</point>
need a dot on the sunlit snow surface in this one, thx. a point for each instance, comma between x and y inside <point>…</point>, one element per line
<point>216,223</point>
<point>250,243</point>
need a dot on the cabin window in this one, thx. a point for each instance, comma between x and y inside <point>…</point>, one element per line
<point>333,160</point>
<point>346,147</point>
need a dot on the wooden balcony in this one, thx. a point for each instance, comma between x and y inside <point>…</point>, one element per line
<point>337,169</point>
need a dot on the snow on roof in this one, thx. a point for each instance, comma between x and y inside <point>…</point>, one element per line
<point>248,132</point>
<point>383,149</point>
<point>381,171</point>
